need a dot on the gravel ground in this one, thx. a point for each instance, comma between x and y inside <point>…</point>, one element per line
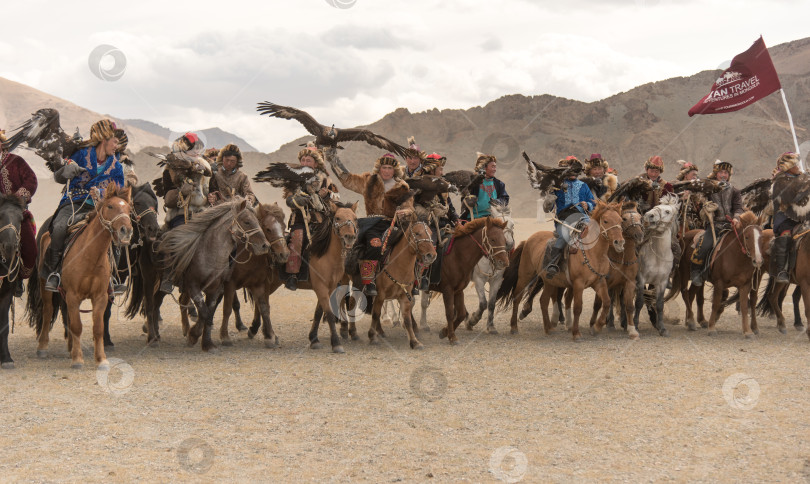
<point>496,407</point>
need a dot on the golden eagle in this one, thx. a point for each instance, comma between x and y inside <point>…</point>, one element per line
<point>43,133</point>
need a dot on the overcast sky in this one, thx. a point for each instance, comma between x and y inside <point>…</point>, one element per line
<point>200,64</point>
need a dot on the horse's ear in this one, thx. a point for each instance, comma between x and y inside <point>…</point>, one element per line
<point>242,205</point>
<point>126,193</point>
<point>355,205</point>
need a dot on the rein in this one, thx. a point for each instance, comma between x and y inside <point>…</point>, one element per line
<point>487,248</point>
<point>243,233</point>
<point>16,260</point>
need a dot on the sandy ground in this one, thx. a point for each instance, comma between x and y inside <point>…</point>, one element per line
<point>510,407</point>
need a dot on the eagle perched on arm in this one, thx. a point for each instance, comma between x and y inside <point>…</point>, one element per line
<point>43,133</point>
<point>791,195</point>
<point>547,179</point>
<point>291,178</point>
<point>326,136</point>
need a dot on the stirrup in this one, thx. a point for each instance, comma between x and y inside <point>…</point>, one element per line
<point>118,289</point>
<point>53,282</point>
<point>552,270</point>
<point>166,286</point>
<point>696,278</point>
<point>782,277</point>
<point>292,283</point>
<point>370,289</point>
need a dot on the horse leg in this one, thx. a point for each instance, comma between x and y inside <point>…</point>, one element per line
<point>450,311</point>
<point>604,299</point>
<point>494,286</point>
<point>238,323</point>
<point>376,309</point>
<point>152,303</point>
<point>227,308</point>
<point>99,302</point>
<point>407,321</point>
<point>568,298</point>
<point>184,300</point>
<point>425,303</point>
<point>660,292</point>
<point>544,298</point>
<point>627,309</point>
<point>108,344</point>
<point>745,294</point>
<point>688,296</point>
<point>461,314</point>
<point>806,296</point>
<point>717,301</point>
<point>314,343</point>
<point>609,322</point>
<point>481,291</point>
<point>194,333</point>
<point>639,302</point>
<point>797,315</point>
<point>597,303</point>
<point>47,317</point>
<point>75,331</point>
<point>752,306</point>
<point>6,300</point>
<point>351,318</point>
<point>210,306</point>
<point>698,291</point>
<point>578,289</point>
<point>262,301</point>
<point>253,330</point>
<point>556,312</point>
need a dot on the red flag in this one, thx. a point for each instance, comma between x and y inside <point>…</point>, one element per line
<point>750,78</point>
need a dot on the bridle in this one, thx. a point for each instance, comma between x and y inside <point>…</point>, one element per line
<point>108,224</point>
<point>414,240</point>
<point>16,260</point>
<point>241,234</point>
<point>489,250</point>
<point>279,238</point>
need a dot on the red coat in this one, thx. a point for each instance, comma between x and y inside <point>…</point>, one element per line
<point>17,178</point>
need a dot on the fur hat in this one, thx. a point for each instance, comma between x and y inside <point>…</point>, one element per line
<point>211,154</point>
<point>101,130</point>
<point>123,140</point>
<point>654,162</point>
<point>391,160</point>
<point>595,161</point>
<point>786,161</point>
<point>315,153</point>
<point>230,150</point>
<point>721,165</point>
<point>483,160</point>
<point>567,160</point>
<point>413,150</point>
<point>187,142</point>
<point>686,167</point>
<point>432,161</point>
<point>3,138</point>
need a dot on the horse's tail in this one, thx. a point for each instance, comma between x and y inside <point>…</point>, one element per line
<point>33,305</point>
<point>537,285</point>
<point>764,307</point>
<point>676,286</point>
<point>506,293</point>
<point>733,299</point>
<point>135,304</point>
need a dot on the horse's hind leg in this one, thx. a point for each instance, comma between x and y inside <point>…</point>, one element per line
<point>5,355</point>
<point>75,332</point>
<point>424,304</point>
<point>481,291</point>
<point>210,307</point>
<point>43,337</point>
<point>193,333</point>
<point>227,308</point>
<point>240,326</point>
<point>494,286</point>
<point>262,300</point>
<point>698,291</point>
<point>797,315</point>
<point>108,344</point>
<point>545,296</point>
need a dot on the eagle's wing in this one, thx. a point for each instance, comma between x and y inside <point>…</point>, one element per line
<point>359,134</point>
<point>704,187</point>
<point>286,112</point>
<point>545,178</point>
<point>428,187</point>
<point>43,133</point>
<point>633,189</point>
<point>458,179</point>
<point>757,194</point>
<point>282,175</point>
<point>792,195</point>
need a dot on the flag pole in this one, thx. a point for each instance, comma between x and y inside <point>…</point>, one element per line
<point>793,130</point>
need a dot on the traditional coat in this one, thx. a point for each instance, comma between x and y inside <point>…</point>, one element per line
<point>230,184</point>
<point>17,178</point>
<point>377,201</point>
<point>98,175</point>
<point>660,188</point>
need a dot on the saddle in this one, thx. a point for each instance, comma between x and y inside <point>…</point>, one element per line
<point>698,241</point>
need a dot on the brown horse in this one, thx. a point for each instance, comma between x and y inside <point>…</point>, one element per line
<point>85,275</point>
<point>735,261</point>
<point>250,271</point>
<point>588,267</point>
<point>483,237</point>
<point>199,255</point>
<point>332,239</point>
<point>395,279</point>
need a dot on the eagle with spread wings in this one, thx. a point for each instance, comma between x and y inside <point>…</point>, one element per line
<point>291,178</point>
<point>792,195</point>
<point>704,187</point>
<point>756,196</point>
<point>547,179</point>
<point>330,136</point>
<point>464,182</point>
<point>427,188</point>
<point>43,133</point>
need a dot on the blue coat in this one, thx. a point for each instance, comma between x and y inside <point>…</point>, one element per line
<point>500,190</point>
<point>577,191</point>
<point>98,176</point>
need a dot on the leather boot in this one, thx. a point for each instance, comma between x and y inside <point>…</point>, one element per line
<point>166,285</point>
<point>779,258</point>
<point>292,282</point>
<point>697,275</point>
<point>553,263</point>
<point>54,279</point>
<point>368,270</point>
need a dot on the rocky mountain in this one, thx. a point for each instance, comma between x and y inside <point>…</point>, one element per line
<point>213,136</point>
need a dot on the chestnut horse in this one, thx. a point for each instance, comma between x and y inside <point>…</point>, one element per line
<point>332,239</point>
<point>199,254</point>
<point>85,275</point>
<point>588,267</point>
<point>483,237</point>
<point>251,271</point>
<point>735,261</point>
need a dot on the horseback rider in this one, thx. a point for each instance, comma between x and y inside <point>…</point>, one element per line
<point>571,202</point>
<point>725,217</point>
<point>87,173</point>
<point>491,188</point>
<point>604,183</point>
<point>787,166</point>
<point>385,197</point>
<point>690,202</point>
<point>434,166</point>
<point>306,205</point>
<point>20,180</point>
<point>653,169</point>
<point>228,179</point>
<point>414,159</point>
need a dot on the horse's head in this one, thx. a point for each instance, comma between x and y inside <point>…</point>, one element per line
<point>271,219</point>
<point>11,215</point>
<point>419,239</point>
<point>493,238</point>
<point>114,212</point>
<point>144,204</point>
<point>661,217</point>
<point>345,223</point>
<point>631,222</point>
<point>751,235</point>
<point>501,210</point>
<point>245,228</point>
<point>607,216</point>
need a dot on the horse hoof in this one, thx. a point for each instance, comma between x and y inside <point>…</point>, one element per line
<point>426,328</point>
<point>712,332</point>
<point>344,334</point>
<point>241,327</point>
<point>750,336</point>
<point>226,342</point>
<point>78,366</point>
<point>610,327</point>
<point>103,367</point>
<point>453,342</point>
<point>109,348</point>
<point>154,343</point>
<point>7,365</point>
<point>664,332</point>
<point>704,324</point>
<point>382,335</point>
<point>798,327</point>
<point>756,331</point>
<point>354,336</point>
<point>782,330</point>
<point>492,330</point>
<point>691,327</point>
<point>212,350</point>
<point>316,345</point>
<point>338,349</point>
<point>374,341</point>
<point>251,334</point>
<point>270,344</point>
<point>42,353</point>
<point>513,331</point>
<point>634,337</point>
<point>417,346</point>
<point>577,338</point>
<point>468,326</point>
<point>144,329</point>
<point>443,333</point>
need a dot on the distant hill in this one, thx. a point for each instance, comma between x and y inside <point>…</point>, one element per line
<point>214,137</point>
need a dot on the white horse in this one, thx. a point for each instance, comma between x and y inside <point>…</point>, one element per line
<point>483,274</point>
<point>655,256</point>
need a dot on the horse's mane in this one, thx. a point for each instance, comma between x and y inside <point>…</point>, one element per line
<point>602,208</point>
<point>629,206</point>
<point>181,243</point>
<point>472,226</point>
<point>12,200</point>
<point>748,218</point>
